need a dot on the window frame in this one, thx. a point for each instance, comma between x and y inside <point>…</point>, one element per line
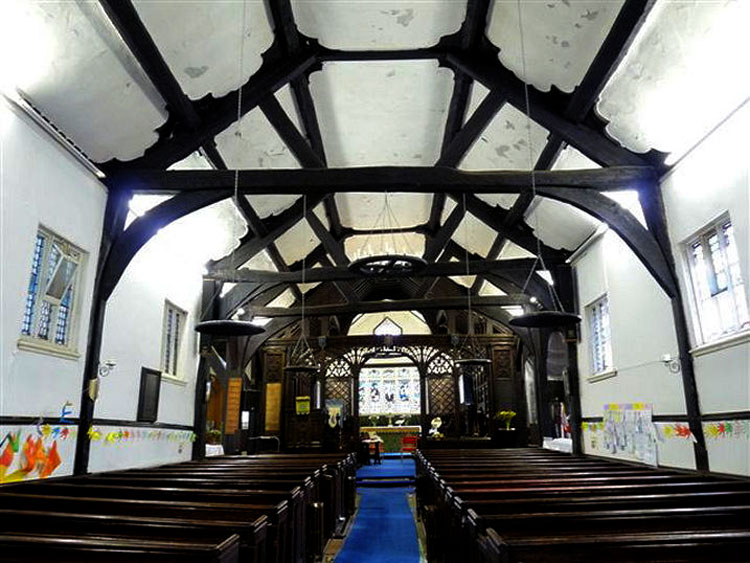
<point>33,342</point>
<point>592,316</point>
<point>182,314</point>
<point>702,236</point>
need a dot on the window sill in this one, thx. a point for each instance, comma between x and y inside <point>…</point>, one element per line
<point>722,344</point>
<point>47,348</point>
<point>173,379</point>
<point>601,376</point>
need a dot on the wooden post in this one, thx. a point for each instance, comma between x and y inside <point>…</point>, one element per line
<point>114,221</point>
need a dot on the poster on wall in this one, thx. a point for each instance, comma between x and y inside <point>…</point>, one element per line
<point>628,429</point>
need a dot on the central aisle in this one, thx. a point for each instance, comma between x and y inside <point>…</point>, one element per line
<point>384,530</point>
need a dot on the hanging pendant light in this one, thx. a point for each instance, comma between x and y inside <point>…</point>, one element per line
<point>387,261</point>
<point>558,317</point>
<point>228,328</point>
<point>302,358</point>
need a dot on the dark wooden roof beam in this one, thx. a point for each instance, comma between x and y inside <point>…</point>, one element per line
<point>386,306</point>
<point>412,179</point>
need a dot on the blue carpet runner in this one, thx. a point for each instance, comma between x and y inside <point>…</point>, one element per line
<point>384,530</point>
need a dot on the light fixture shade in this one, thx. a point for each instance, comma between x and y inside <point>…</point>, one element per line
<point>545,319</point>
<point>228,328</point>
<point>387,264</point>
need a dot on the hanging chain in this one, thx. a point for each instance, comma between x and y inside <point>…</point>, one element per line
<point>539,259</point>
<point>233,265</point>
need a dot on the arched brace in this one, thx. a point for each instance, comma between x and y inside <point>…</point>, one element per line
<point>640,240</point>
<point>140,231</point>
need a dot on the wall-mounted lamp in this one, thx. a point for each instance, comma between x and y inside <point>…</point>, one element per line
<point>106,367</point>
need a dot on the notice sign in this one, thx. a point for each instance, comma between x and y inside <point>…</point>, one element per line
<point>234,396</point>
<point>273,407</point>
<point>302,404</point>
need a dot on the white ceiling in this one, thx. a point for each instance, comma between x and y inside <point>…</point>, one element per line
<point>382,113</point>
<point>560,38</point>
<point>381,24</point>
<point>681,76</point>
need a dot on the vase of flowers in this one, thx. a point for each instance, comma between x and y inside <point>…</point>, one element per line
<point>503,436</point>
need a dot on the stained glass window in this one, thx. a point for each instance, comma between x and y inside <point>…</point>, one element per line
<point>389,390</point>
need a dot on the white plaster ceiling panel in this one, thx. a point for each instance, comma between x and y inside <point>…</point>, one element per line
<point>360,246</point>
<point>285,300</point>
<point>382,113</point>
<point>297,242</point>
<point>320,213</point>
<point>572,159</point>
<point>261,261</point>
<point>271,204</point>
<point>629,200</point>
<point>366,210</point>
<point>478,93</point>
<point>448,208</point>
<point>560,225</point>
<point>490,289</point>
<point>69,61</point>
<point>466,281</point>
<point>184,246</point>
<point>254,144</point>
<point>504,144</point>
<point>193,161</point>
<point>305,287</point>
<point>505,201</point>
<point>474,235</point>
<point>560,38</point>
<point>286,101</point>
<point>201,41</point>
<point>681,77</point>
<point>407,320</point>
<point>511,251</point>
<point>381,24</point>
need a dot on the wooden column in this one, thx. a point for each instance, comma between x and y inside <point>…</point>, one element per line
<point>652,204</point>
<point>114,220</point>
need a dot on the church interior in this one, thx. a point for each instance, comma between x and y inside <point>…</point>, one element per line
<point>291,281</point>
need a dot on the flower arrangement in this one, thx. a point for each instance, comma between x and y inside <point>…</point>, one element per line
<point>505,417</point>
<point>213,437</point>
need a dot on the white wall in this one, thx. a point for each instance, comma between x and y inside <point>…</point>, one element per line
<point>642,331</point>
<point>641,326</point>
<point>711,181</point>
<point>42,184</point>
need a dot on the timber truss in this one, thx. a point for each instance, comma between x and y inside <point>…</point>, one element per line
<point>570,119</point>
<point>193,125</point>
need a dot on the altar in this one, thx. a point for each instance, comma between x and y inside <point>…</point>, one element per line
<point>392,435</point>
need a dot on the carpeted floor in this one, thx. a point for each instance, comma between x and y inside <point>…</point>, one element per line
<point>389,468</point>
<point>384,530</point>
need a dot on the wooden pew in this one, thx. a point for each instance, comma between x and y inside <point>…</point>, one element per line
<point>43,547</point>
<point>252,536</point>
<point>584,512</point>
<point>277,533</point>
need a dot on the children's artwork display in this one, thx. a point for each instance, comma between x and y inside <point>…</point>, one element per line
<point>389,390</point>
<point>628,428</point>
